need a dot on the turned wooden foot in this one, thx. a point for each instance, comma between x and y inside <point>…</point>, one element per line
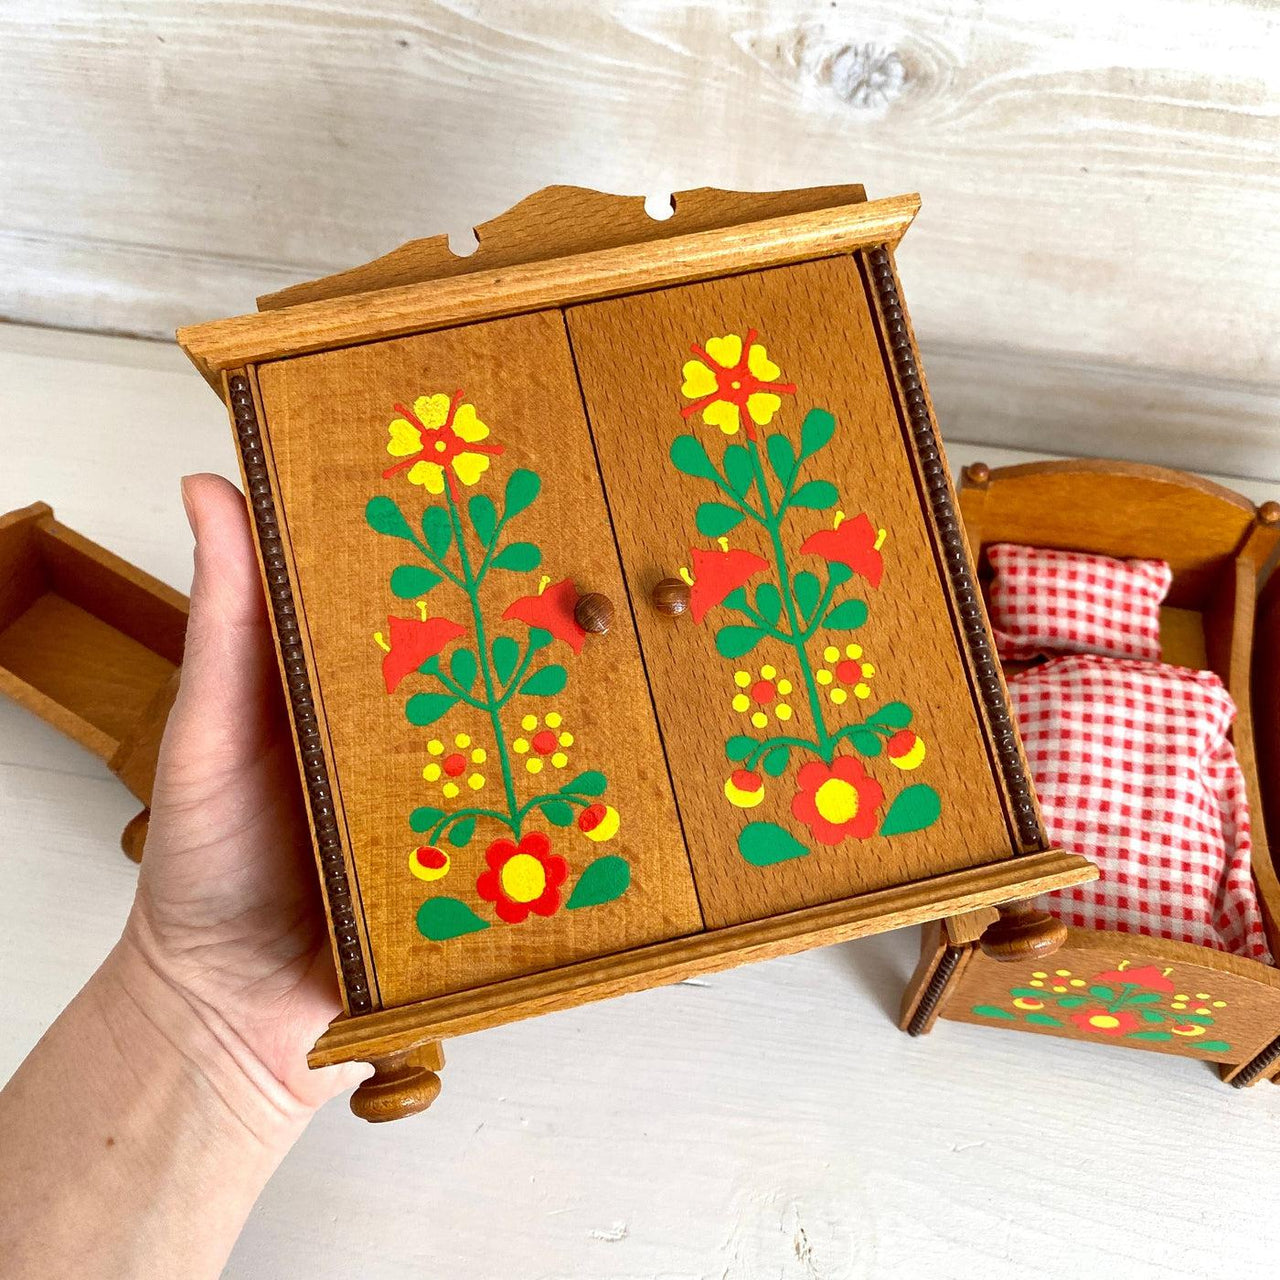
<point>402,1084</point>
<point>134,835</point>
<point>1023,932</point>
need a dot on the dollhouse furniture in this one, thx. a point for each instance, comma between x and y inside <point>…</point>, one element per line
<point>626,621</point>
<point>91,644</point>
<point>1177,998</point>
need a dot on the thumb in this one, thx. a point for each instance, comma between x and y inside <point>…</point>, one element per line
<point>219,720</point>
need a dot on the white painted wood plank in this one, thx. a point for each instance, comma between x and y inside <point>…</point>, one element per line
<point>768,1122</point>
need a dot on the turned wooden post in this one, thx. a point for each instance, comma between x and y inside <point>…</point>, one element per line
<point>403,1083</point>
<point>1023,932</point>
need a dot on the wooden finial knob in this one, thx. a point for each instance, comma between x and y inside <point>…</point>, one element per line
<point>1023,932</point>
<point>1269,513</point>
<point>977,473</point>
<point>671,596</point>
<point>594,613</point>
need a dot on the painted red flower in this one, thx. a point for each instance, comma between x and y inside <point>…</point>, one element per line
<point>522,878</point>
<point>837,801</point>
<point>411,641</point>
<point>717,574</point>
<point>552,610</point>
<point>1105,1023</point>
<point>1149,976</point>
<point>853,542</point>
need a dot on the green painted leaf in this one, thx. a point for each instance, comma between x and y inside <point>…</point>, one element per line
<point>738,469</point>
<point>427,708</point>
<point>519,557</point>
<point>817,495</point>
<point>993,1011</point>
<point>838,573</point>
<point>1149,1035</point>
<point>1198,1019</point>
<point>764,843</point>
<point>438,531</point>
<point>912,810</point>
<point>736,599</point>
<point>819,427</point>
<point>775,762</point>
<point>409,581</point>
<point>506,657</point>
<point>714,519</point>
<point>734,642</point>
<point>782,457</point>
<point>688,454</point>
<point>739,747</point>
<point>558,812</point>
<point>1148,1015</point>
<point>1145,997</point>
<point>893,715</point>
<point>546,682</point>
<point>769,602</point>
<point>461,832</point>
<point>1044,1020</point>
<point>1102,993</point>
<point>591,783</point>
<point>1029,993</point>
<point>539,638</point>
<point>1212,1046</point>
<point>866,743</point>
<point>443,918</point>
<point>808,591</point>
<point>1072,1002</point>
<point>462,666</point>
<point>425,818</point>
<point>847,616</point>
<point>383,516</point>
<point>484,517</point>
<point>522,489</point>
<point>601,881</point>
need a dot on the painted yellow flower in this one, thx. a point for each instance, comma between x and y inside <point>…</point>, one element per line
<point>733,383</point>
<point>845,671</point>
<point>546,744</point>
<point>438,440</point>
<point>451,765</point>
<point>762,694</point>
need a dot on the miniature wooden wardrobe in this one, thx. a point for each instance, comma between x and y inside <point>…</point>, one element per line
<point>627,624</point>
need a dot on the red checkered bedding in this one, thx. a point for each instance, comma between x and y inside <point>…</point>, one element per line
<point>1044,601</point>
<point>1135,771</point>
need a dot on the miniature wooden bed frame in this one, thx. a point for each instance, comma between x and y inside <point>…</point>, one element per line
<point>1217,544</point>
<point>91,644</point>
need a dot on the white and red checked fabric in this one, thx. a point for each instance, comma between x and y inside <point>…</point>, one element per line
<point>1046,601</point>
<point>1135,771</point>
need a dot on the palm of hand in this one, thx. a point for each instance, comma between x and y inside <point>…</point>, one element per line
<point>228,909</point>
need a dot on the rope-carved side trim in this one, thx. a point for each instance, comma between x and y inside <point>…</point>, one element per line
<point>1258,1066</point>
<point>931,997</point>
<point>337,887</point>
<point>963,586</point>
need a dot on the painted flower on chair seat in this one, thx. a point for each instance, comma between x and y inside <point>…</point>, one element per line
<point>854,543</point>
<point>1106,1023</point>
<point>730,379</point>
<point>522,878</point>
<point>837,801</point>
<point>438,440</point>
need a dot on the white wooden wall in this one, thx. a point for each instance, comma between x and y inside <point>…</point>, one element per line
<point>1097,267</point>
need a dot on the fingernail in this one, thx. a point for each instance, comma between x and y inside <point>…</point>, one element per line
<point>186,503</point>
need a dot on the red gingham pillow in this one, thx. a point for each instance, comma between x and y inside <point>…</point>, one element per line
<point>1045,601</point>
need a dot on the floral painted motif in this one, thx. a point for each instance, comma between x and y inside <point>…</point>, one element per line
<point>765,498</point>
<point>522,878</point>
<point>1139,1003</point>
<point>442,446</point>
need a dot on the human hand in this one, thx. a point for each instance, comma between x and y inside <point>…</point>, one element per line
<point>228,910</point>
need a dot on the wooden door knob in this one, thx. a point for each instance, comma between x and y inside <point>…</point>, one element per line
<point>671,596</point>
<point>1023,932</point>
<point>594,613</point>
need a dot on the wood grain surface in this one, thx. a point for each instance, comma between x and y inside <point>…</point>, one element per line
<point>327,421</point>
<point>815,322</point>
